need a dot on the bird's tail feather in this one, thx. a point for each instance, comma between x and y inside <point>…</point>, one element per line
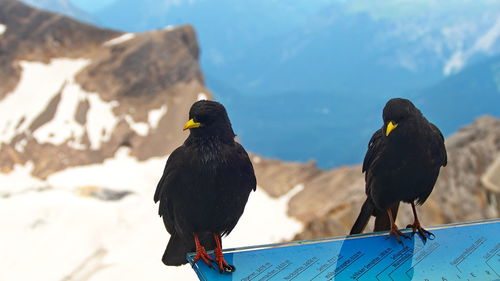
<point>382,222</point>
<point>177,248</point>
<point>175,253</point>
<point>367,210</point>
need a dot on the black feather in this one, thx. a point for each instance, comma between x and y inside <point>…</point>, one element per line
<point>364,216</point>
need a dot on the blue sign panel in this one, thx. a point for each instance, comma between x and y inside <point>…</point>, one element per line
<point>458,252</point>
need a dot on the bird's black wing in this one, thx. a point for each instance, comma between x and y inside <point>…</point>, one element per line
<point>440,151</point>
<point>374,149</point>
<point>246,168</point>
<point>239,180</point>
<point>166,186</point>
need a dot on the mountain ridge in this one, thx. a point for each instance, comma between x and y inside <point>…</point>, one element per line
<point>105,88</point>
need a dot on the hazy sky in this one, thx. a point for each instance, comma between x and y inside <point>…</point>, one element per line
<point>380,8</point>
<point>92,5</point>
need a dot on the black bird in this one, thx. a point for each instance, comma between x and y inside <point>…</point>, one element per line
<point>204,187</point>
<point>402,164</point>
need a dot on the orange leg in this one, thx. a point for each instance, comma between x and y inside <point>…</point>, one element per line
<point>417,227</point>
<point>219,257</point>
<point>201,253</point>
<point>394,228</point>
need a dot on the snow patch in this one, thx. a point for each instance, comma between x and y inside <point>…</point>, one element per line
<point>294,191</point>
<point>169,27</point>
<point>3,28</point>
<point>109,238</point>
<point>19,180</point>
<point>64,126</point>
<point>141,128</point>
<point>100,120</point>
<point>455,63</point>
<point>256,159</point>
<point>485,42</point>
<point>20,145</point>
<point>155,115</point>
<point>120,39</point>
<point>202,96</point>
<point>38,84</point>
<point>265,220</point>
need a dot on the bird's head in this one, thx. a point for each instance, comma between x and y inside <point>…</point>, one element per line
<point>397,112</point>
<point>209,118</point>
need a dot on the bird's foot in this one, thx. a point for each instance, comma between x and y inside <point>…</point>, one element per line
<point>416,227</point>
<point>224,267</point>
<point>396,233</point>
<point>201,253</point>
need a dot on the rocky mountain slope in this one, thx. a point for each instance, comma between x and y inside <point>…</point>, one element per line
<point>72,94</point>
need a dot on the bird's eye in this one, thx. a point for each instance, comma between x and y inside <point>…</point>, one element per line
<point>202,119</point>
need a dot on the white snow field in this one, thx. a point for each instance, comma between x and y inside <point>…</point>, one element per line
<point>52,230</point>
<point>33,94</point>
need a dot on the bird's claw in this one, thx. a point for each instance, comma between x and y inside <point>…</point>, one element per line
<point>224,267</point>
<point>204,256</point>
<point>396,233</point>
<point>416,227</point>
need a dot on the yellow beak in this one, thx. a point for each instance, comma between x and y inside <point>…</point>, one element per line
<point>391,126</point>
<point>191,124</point>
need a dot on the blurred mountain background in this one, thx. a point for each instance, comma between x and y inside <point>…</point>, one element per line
<point>91,108</point>
<point>327,65</point>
